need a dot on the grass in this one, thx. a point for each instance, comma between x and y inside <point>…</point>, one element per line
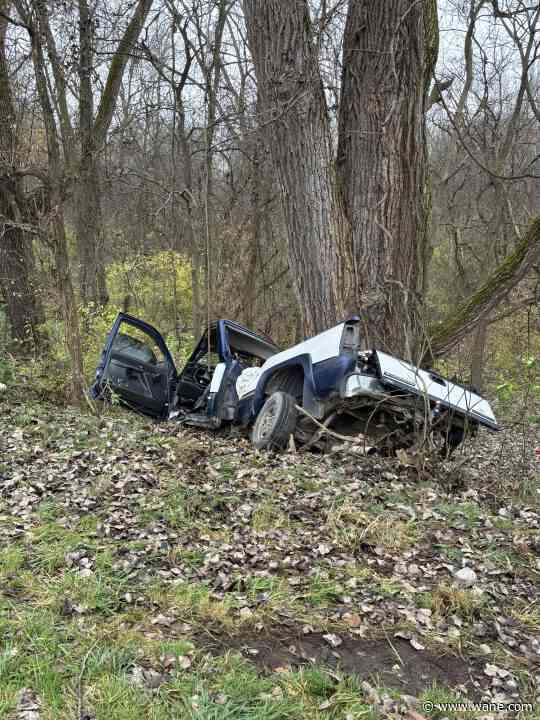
<point>445,600</point>
<point>350,527</point>
<point>176,513</point>
<point>463,513</point>
<point>527,613</point>
<point>322,591</point>
<point>224,687</point>
<point>268,516</point>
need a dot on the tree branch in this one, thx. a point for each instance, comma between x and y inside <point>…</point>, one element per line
<point>509,273</point>
<point>116,71</point>
<point>17,23</point>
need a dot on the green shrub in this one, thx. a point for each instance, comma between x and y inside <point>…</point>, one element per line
<point>156,288</point>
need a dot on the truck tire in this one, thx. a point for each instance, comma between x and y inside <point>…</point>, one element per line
<point>275,422</point>
<point>288,380</point>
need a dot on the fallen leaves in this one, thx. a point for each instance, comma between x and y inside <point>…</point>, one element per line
<point>333,640</point>
<point>28,705</point>
<point>466,577</point>
<point>350,545</point>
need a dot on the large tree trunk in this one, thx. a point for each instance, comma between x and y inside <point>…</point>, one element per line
<point>18,286</point>
<point>90,235</point>
<point>292,99</point>
<point>17,277</point>
<point>358,238</point>
<point>89,218</point>
<point>389,52</point>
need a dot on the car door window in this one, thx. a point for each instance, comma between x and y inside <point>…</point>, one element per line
<point>137,364</point>
<point>137,345</point>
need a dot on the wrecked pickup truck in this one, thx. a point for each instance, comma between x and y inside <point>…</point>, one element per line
<point>325,385</point>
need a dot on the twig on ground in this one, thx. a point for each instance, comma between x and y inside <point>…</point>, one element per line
<point>393,648</point>
<point>332,433</point>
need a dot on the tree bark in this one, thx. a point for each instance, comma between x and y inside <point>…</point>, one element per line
<point>89,219</point>
<point>93,134</point>
<point>389,51</point>
<point>90,233</point>
<point>477,355</point>
<point>17,266</point>
<point>281,40</point>
<point>18,284</point>
<point>494,290</point>
<point>69,304</point>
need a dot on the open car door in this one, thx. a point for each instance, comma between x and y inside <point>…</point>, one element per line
<point>137,366</point>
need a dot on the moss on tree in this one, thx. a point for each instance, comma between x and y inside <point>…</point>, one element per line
<point>509,273</point>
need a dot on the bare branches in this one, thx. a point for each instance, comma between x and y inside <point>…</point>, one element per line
<point>16,23</point>
<point>474,156</point>
<point>116,70</point>
<point>478,307</point>
<point>468,54</point>
<point>522,9</point>
<point>521,28</point>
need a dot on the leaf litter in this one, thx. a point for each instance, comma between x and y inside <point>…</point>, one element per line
<point>354,562</point>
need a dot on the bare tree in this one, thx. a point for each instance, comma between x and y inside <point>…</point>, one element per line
<point>18,281</point>
<point>486,170</point>
<point>292,101</point>
<point>358,235</point>
<point>93,134</point>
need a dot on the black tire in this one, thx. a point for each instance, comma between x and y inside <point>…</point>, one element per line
<point>288,380</point>
<point>275,422</point>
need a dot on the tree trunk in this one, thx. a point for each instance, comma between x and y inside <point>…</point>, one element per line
<point>358,240</point>
<point>93,134</point>
<point>69,306</point>
<point>17,276</point>
<point>389,52</point>
<point>446,334</point>
<point>89,220</point>
<point>185,150</point>
<point>89,223</point>
<point>292,98</point>
<point>477,355</point>
<point>212,75</point>
<point>196,309</point>
<point>249,293</point>
<point>18,286</point>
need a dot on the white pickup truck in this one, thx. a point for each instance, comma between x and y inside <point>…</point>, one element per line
<point>235,375</point>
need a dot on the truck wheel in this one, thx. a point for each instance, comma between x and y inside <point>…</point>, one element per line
<point>275,422</point>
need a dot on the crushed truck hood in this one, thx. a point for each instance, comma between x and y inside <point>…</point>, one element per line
<point>401,375</point>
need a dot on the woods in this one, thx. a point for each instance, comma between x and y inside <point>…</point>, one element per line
<point>357,223</point>
<point>331,148</point>
<point>269,352</point>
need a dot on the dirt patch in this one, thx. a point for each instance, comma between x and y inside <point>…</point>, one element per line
<point>390,662</point>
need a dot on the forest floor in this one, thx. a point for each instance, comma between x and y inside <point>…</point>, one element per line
<point>150,571</point>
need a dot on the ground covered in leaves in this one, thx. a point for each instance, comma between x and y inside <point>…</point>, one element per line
<point>150,571</point>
